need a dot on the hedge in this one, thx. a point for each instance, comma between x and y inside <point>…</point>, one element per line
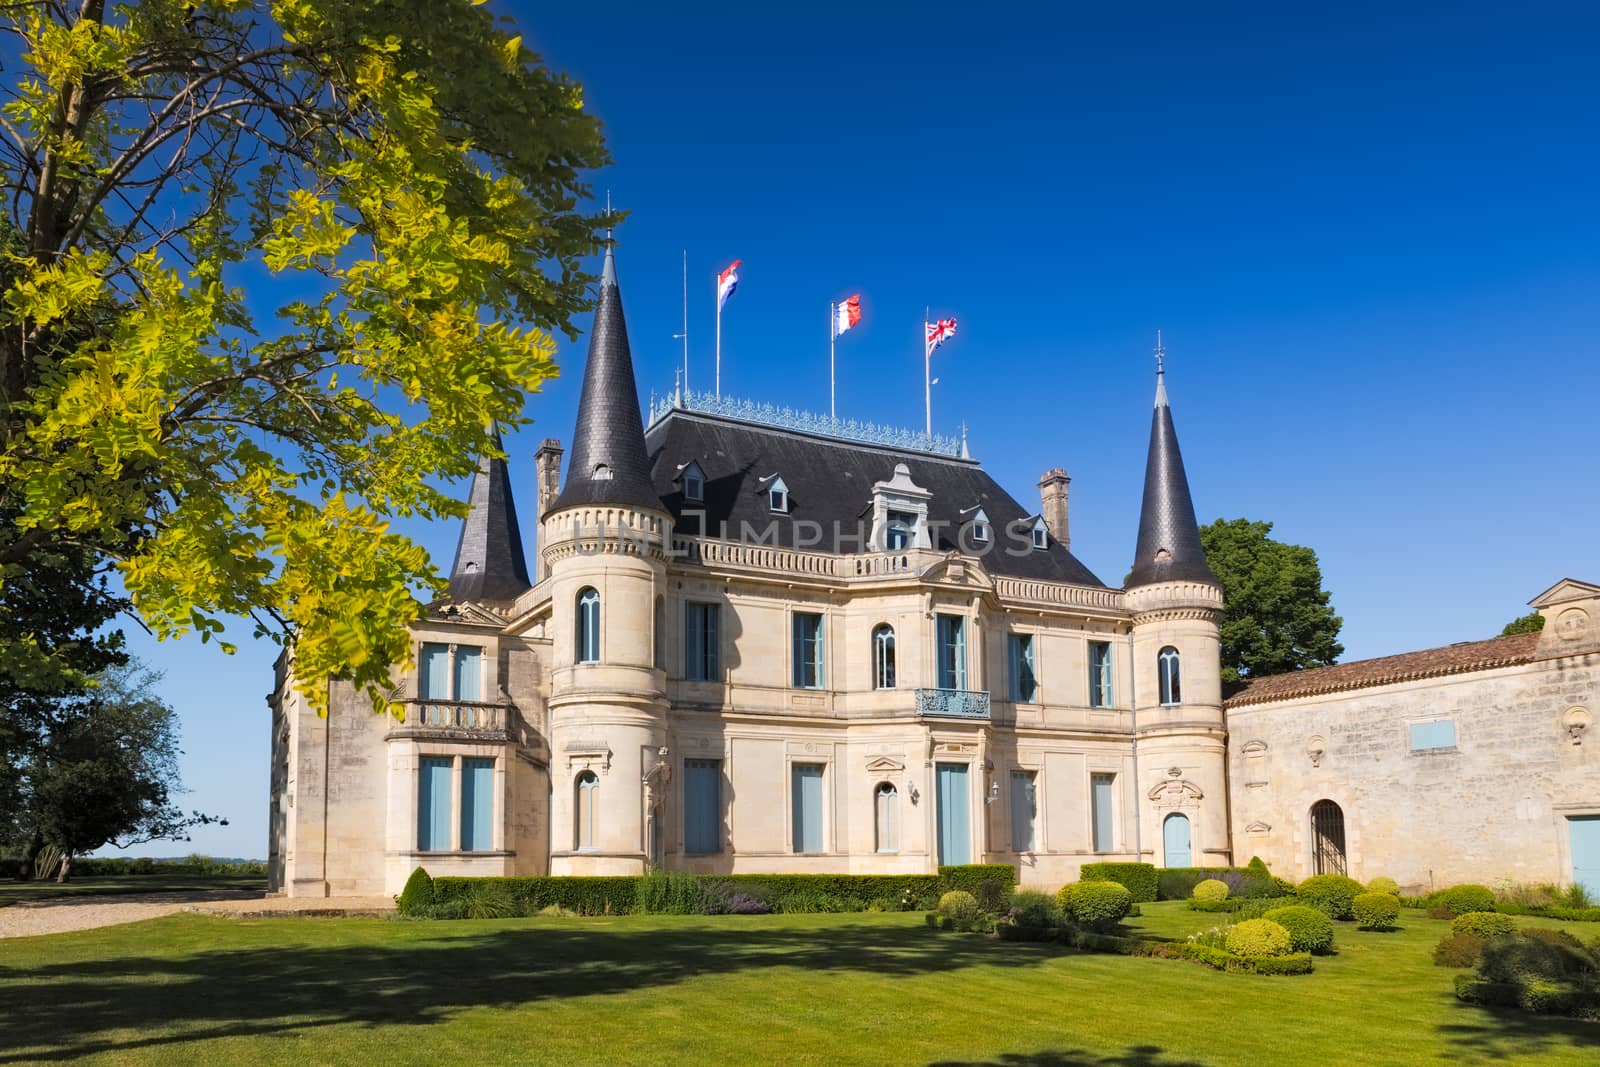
<point>1532,994</point>
<point>1223,960</point>
<point>1140,879</point>
<point>793,893</point>
<point>1550,911</point>
<point>1177,883</point>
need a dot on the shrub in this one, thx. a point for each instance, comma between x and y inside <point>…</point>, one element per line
<point>1384,885</point>
<point>1212,889</point>
<point>1310,929</point>
<point>1258,937</point>
<point>1484,924</point>
<point>1197,904</point>
<point>490,900</point>
<point>1100,906</point>
<point>1513,959</point>
<point>1458,950</point>
<point>1375,911</point>
<point>960,908</point>
<point>1139,879</point>
<point>417,894</point>
<point>1332,893</point>
<point>1439,911</point>
<point>1464,898</point>
<point>990,883</point>
<point>745,904</point>
<point>1257,867</point>
<point>1034,910</point>
<point>1254,909</point>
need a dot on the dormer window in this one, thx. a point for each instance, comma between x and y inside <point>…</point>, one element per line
<point>602,472</point>
<point>898,534</point>
<point>1041,534</point>
<point>980,528</point>
<point>694,483</point>
<point>778,496</point>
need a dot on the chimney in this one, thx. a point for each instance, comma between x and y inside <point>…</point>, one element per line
<point>1053,503</point>
<point>547,464</point>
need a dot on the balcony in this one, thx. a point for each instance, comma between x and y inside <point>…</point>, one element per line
<point>953,703</point>
<point>463,720</point>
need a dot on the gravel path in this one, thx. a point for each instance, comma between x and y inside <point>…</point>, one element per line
<point>32,918</point>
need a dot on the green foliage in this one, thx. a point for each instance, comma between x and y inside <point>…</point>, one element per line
<point>1212,890</point>
<point>1506,959</point>
<point>1375,911</point>
<point>1276,617</point>
<point>1484,924</point>
<point>1177,883</point>
<point>1140,879</point>
<point>1332,893</point>
<point>1464,898</point>
<point>1547,973</point>
<point>417,893</point>
<point>991,883</point>
<point>408,172</point>
<point>1384,885</point>
<point>1224,905</point>
<point>1222,960</point>
<point>1458,950</point>
<point>1531,623</point>
<point>1550,911</point>
<point>1258,937</point>
<point>675,893</point>
<point>1258,867</point>
<point>1098,906</point>
<point>1034,910</point>
<point>961,908</point>
<point>1309,929</point>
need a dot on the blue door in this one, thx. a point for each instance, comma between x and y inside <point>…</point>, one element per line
<point>955,824</point>
<point>1585,831</point>
<point>1175,834</point>
<point>807,804</point>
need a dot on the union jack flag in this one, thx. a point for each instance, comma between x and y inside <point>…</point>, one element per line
<point>938,333</point>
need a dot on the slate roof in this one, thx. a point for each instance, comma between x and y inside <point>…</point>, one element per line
<point>609,434</point>
<point>830,481</point>
<point>1169,538</point>
<point>1459,658</point>
<point>489,563</point>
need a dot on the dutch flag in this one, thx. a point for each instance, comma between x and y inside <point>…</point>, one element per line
<point>727,282</point>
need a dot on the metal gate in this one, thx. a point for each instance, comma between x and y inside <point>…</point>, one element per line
<point>1327,838</point>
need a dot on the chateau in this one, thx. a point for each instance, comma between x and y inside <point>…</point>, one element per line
<point>753,641</point>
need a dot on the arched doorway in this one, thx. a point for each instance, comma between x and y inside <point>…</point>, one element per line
<point>1327,838</point>
<point>1175,841</point>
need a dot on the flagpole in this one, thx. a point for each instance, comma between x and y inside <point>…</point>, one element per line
<point>927,376</point>
<point>833,337</point>
<point>718,297</point>
<point>686,320</point>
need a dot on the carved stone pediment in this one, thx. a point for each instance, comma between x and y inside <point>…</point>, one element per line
<point>1257,828</point>
<point>465,611</point>
<point>885,765</point>
<point>588,752</point>
<point>1176,791</point>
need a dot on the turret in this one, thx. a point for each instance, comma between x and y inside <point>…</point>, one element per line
<point>603,546</point>
<point>489,564</point>
<point>1176,603</point>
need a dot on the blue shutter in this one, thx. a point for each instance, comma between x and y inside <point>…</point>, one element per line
<point>954,824</point>
<point>1439,734</point>
<point>469,673</point>
<point>477,805</point>
<point>1584,831</point>
<point>1022,811</point>
<point>434,668</point>
<point>702,805</point>
<point>1175,841</point>
<point>798,652</point>
<point>694,642</point>
<point>807,801</point>
<point>952,639</point>
<point>1100,802</point>
<point>433,804</point>
<point>713,669</point>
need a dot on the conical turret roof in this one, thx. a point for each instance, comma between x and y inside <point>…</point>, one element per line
<point>1169,538</point>
<point>609,464</point>
<point>489,563</point>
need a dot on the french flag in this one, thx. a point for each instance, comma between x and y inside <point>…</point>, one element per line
<point>727,282</point>
<point>846,313</point>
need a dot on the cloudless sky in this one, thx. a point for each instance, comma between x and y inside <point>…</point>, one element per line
<point>1369,236</point>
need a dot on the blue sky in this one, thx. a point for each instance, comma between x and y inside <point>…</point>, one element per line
<point>1369,237</point>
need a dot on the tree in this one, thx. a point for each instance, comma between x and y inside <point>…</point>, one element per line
<point>1276,617</point>
<point>1531,623</point>
<point>106,770</point>
<point>273,274</point>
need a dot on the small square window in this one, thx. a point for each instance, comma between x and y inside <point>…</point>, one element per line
<point>1041,535</point>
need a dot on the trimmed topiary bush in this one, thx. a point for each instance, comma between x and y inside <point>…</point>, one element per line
<point>1331,893</point>
<point>1384,885</point>
<point>1458,950</point>
<point>1310,929</point>
<point>1211,890</point>
<point>1512,959</point>
<point>1464,898</point>
<point>1140,879</point>
<point>1258,937</point>
<point>1484,924</point>
<point>417,896</point>
<point>1100,906</point>
<point>960,908</point>
<point>1375,911</point>
<point>1036,911</point>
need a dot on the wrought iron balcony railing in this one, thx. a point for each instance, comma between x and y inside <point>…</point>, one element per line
<point>954,703</point>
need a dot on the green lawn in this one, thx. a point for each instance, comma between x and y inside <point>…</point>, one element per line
<point>809,988</point>
<point>12,891</point>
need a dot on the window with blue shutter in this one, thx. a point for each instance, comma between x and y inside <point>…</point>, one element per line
<point>807,650</point>
<point>477,805</point>
<point>700,642</point>
<point>1100,806</point>
<point>1022,811</point>
<point>807,802</point>
<point>1441,733</point>
<point>433,681</point>
<point>1024,681</point>
<point>469,673</point>
<point>433,804</point>
<point>702,805</point>
<point>1100,674</point>
<point>951,638</point>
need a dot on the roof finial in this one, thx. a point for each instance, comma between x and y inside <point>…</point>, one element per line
<point>1161,354</point>
<point>964,453</point>
<point>1161,372</point>
<point>608,217</point>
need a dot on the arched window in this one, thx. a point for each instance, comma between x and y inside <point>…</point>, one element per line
<point>588,786</point>
<point>659,633</point>
<point>588,628</point>
<point>883,657</point>
<point>1327,838</point>
<point>1167,666</point>
<point>887,802</point>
